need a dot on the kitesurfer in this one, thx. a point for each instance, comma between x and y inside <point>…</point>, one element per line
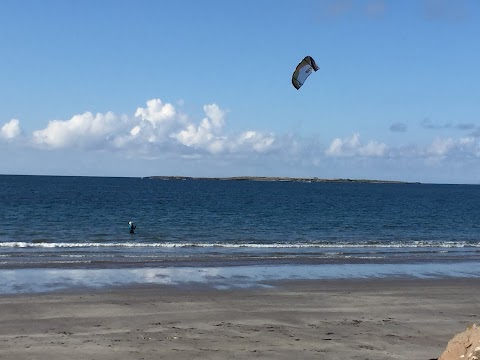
<point>132,227</point>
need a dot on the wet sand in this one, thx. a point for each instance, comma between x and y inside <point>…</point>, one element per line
<point>336,319</point>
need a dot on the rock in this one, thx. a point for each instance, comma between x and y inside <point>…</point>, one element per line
<point>463,346</point>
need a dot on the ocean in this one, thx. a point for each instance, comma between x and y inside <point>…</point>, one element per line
<point>60,232</point>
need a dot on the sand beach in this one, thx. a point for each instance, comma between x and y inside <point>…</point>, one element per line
<point>326,319</point>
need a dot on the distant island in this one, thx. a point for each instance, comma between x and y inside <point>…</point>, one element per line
<point>279,179</point>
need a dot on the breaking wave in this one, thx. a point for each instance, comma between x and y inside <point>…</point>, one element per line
<point>276,245</point>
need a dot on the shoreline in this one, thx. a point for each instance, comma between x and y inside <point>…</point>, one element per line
<point>329,319</point>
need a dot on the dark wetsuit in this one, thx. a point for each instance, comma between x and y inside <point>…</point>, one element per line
<point>132,228</point>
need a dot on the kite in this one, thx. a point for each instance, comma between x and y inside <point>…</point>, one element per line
<point>303,71</point>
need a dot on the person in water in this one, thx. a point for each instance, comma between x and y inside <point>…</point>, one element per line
<point>132,227</point>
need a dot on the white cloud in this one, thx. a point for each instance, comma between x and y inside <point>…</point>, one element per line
<point>156,122</point>
<point>252,140</point>
<point>440,147</point>
<point>194,135</point>
<point>135,130</point>
<point>373,148</point>
<point>257,141</point>
<point>444,147</point>
<point>11,129</point>
<point>149,126</point>
<point>84,131</point>
<point>466,141</point>
<point>158,127</point>
<point>209,135</point>
<point>352,146</point>
<point>156,112</point>
<point>215,114</point>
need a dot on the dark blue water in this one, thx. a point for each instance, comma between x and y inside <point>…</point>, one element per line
<point>83,221</point>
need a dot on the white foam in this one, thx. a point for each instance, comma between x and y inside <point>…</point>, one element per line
<point>300,245</point>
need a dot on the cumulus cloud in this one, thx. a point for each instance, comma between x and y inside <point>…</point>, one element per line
<point>352,146</point>
<point>215,114</point>
<point>157,113</point>
<point>150,126</point>
<point>201,136</point>
<point>84,131</point>
<point>440,147</point>
<point>11,129</point>
<point>155,123</point>
<point>444,147</point>
<point>258,141</point>
<point>207,134</point>
<point>157,127</point>
<point>210,136</point>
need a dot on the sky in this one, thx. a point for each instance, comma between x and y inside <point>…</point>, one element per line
<point>203,88</point>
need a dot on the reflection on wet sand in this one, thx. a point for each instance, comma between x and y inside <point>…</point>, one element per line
<point>46,280</point>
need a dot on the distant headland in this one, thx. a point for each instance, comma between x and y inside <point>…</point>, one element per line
<point>280,179</point>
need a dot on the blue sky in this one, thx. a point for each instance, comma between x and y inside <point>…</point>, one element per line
<point>203,88</point>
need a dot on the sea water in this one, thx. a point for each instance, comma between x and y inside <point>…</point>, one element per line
<point>55,228</point>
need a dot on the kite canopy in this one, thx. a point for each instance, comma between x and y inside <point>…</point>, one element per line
<point>303,71</point>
